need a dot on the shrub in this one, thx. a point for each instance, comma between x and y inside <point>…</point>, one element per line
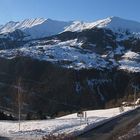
<point>58,137</point>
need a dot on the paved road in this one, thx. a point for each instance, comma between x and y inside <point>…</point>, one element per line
<point>2,138</point>
<point>114,128</point>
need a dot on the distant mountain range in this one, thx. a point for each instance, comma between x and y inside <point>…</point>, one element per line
<point>100,44</point>
<point>39,27</point>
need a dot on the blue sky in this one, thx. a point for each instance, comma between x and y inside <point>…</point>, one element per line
<point>86,10</point>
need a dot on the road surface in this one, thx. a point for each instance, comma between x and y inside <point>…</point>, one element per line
<point>2,138</point>
<point>114,128</point>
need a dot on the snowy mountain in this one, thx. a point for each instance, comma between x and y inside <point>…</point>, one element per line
<point>36,28</point>
<point>113,23</point>
<point>117,23</point>
<point>78,45</point>
<point>39,27</point>
<point>69,65</point>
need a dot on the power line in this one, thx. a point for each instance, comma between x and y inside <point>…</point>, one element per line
<point>37,94</point>
<point>23,79</point>
<point>38,83</point>
<point>19,102</point>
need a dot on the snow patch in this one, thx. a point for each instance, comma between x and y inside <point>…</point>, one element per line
<point>68,54</point>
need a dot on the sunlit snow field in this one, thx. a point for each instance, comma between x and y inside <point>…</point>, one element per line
<point>70,124</point>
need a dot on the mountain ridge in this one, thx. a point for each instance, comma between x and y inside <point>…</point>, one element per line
<point>40,27</point>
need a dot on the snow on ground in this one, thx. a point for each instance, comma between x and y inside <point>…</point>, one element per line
<point>130,62</point>
<point>68,54</point>
<point>131,66</point>
<point>131,55</point>
<point>69,124</point>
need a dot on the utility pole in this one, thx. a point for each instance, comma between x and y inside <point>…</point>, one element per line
<point>4,44</point>
<point>135,93</point>
<point>134,96</point>
<point>19,103</point>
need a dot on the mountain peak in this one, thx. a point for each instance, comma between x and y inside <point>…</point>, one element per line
<point>117,23</point>
<point>8,27</point>
<point>114,17</point>
<point>27,23</point>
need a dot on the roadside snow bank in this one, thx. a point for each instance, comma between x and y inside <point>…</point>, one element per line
<point>69,124</point>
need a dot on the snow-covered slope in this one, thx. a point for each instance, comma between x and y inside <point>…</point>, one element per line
<point>79,49</point>
<point>28,23</point>
<point>63,53</point>
<point>39,27</point>
<point>117,23</point>
<point>47,28</point>
<point>36,28</point>
<point>130,61</point>
<point>70,124</point>
<point>71,54</point>
<point>9,27</point>
<point>113,23</point>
